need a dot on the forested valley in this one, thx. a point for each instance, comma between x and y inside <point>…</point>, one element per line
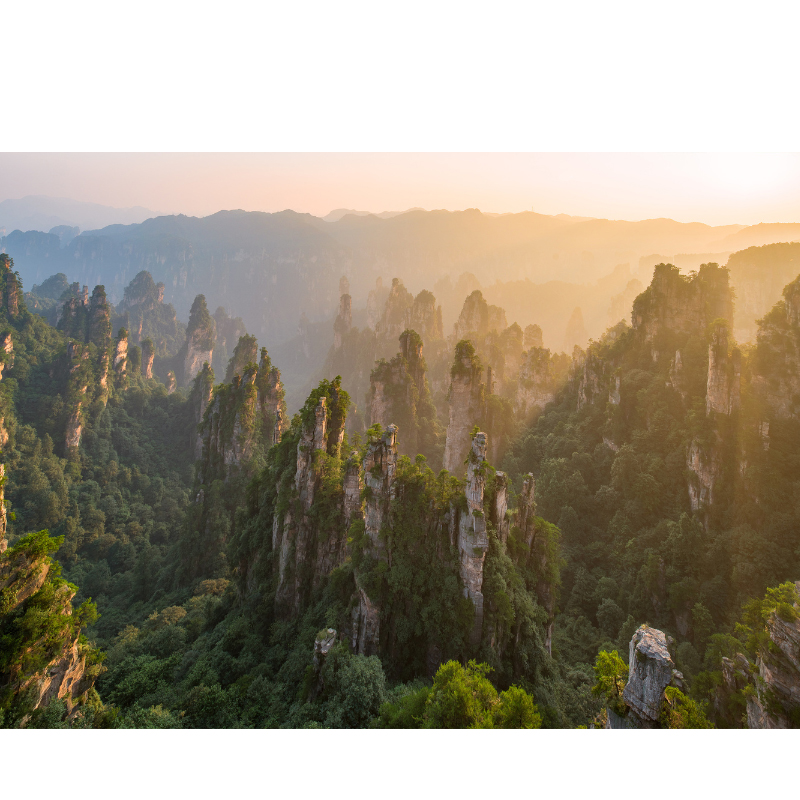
<point>455,529</point>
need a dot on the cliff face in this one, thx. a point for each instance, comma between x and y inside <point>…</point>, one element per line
<point>479,318</point>
<point>304,556</point>
<point>148,354</point>
<point>399,393</point>
<point>392,322</point>
<point>200,338</point>
<point>271,404</point>
<point>467,404</point>
<point>473,541</point>
<point>344,320</point>
<point>683,304</point>
<point>758,275</point>
<point>202,392</point>
<point>705,468</point>
<point>10,287</point>
<point>724,374</point>
<point>536,385</point>
<point>776,366</point>
<point>146,316</point>
<point>3,521</point>
<point>44,658</point>
<point>245,352</point>
<point>591,383</point>
<point>651,671</point>
<point>237,419</point>
<point>425,317</point>
<point>6,352</point>
<point>379,469</point>
<point>775,703</point>
<point>120,362</point>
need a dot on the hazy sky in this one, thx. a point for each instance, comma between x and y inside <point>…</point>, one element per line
<point>716,188</point>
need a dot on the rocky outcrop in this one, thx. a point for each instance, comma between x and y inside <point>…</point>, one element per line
<point>375,303</point>
<point>245,353</point>
<point>532,337</point>
<point>366,626</point>
<point>172,382</point>
<point>200,338</point>
<point>120,363</point>
<point>650,672</point>
<point>378,469</point>
<point>591,380</point>
<point>473,540</point>
<point>758,275</point>
<point>344,320</point>
<point>478,318</point>
<point>724,374</point>
<point>683,304</point>
<point>704,465</point>
<point>535,384</point>
<point>399,393</point>
<point>10,287</point>
<point>393,320</point>
<point>6,352</point>
<point>148,355</point>
<point>776,366</point>
<point>380,464</point>
<point>303,557</point>
<point>143,304</point>
<point>202,391</point>
<point>677,375</point>
<point>541,553</point>
<point>467,401</point>
<point>3,521</point>
<point>575,334</point>
<point>775,701</point>
<point>425,317</point>
<point>274,418</point>
<point>72,437</point>
<point>63,670</point>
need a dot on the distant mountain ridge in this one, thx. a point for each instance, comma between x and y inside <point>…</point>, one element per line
<point>278,271</point>
<point>41,213</point>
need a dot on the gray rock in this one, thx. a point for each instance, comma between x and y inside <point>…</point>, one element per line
<point>651,669</point>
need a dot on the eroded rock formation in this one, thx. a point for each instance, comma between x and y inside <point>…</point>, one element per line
<point>121,357</point>
<point>467,405</point>
<point>344,320</point>
<point>683,304</point>
<point>399,393</point>
<point>775,701</point>
<point>200,338</point>
<point>724,374</point>
<point>478,318</point>
<point>473,540</point>
<point>148,355</point>
<point>39,669</point>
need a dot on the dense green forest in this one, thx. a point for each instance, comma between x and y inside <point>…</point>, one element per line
<point>231,565</point>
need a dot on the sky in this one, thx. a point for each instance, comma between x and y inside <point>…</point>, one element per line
<point>715,188</point>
